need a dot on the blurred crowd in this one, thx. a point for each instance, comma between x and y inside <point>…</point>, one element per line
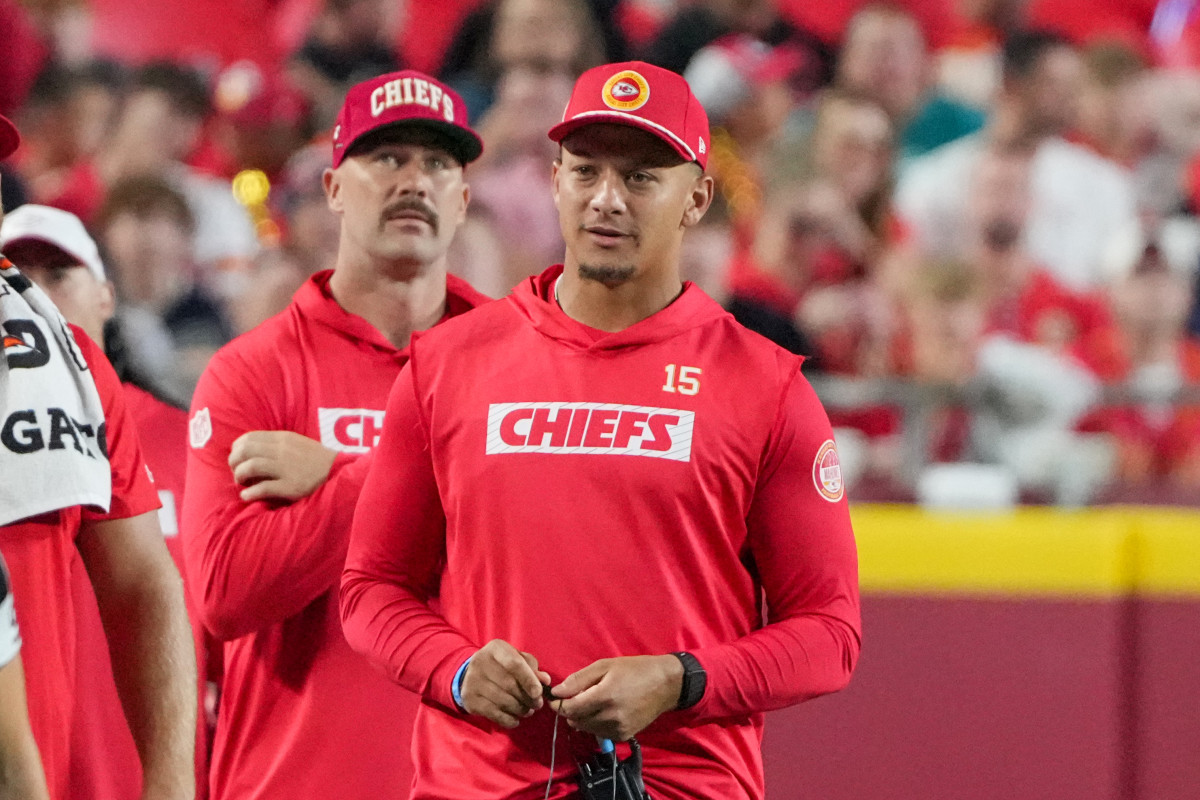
<point>977,218</point>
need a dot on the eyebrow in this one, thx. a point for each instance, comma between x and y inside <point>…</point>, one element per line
<point>628,162</point>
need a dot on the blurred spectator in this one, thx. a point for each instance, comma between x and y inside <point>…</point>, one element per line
<point>992,399</point>
<point>158,128</point>
<point>348,42</point>
<point>1168,179</point>
<point>807,280</point>
<point>172,325</point>
<point>308,244</point>
<point>1157,429</point>
<point>68,117</point>
<point>970,60</point>
<point>749,89</point>
<point>510,182</point>
<point>549,36</point>
<point>25,52</point>
<point>1022,299</point>
<point>261,120</point>
<point>1115,111</point>
<point>695,25</point>
<point>1079,198</point>
<point>884,56</point>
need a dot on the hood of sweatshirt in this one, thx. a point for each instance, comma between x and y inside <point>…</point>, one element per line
<point>534,300</point>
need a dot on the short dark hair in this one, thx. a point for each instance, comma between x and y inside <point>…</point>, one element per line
<point>143,196</point>
<point>185,87</point>
<point>57,81</point>
<point>1024,51</point>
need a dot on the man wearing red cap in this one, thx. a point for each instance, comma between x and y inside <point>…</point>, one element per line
<point>137,588</point>
<point>280,423</point>
<point>600,477</point>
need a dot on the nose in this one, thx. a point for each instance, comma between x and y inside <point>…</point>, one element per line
<point>412,179</point>
<point>609,194</point>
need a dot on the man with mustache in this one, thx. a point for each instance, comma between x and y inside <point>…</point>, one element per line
<point>600,478</point>
<point>280,425</point>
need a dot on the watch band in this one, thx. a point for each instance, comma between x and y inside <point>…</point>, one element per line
<point>695,679</point>
<point>456,685</point>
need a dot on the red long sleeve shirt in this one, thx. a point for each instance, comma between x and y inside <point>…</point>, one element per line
<point>301,715</point>
<point>584,495</point>
<point>40,552</point>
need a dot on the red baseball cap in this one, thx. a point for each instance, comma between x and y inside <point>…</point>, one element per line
<point>644,96</point>
<point>9,138</point>
<point>405,98</point>
<point>252,98</point>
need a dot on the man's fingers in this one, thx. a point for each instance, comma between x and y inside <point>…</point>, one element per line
<point>589,702</point>
<point>266,490</point>
<point>516,664</point>
<point>256,468</point>
<point>249,445</point>
<point>497,697</point>
<point>542,676</point>
<point>511,687</point>
<point>584,679</point>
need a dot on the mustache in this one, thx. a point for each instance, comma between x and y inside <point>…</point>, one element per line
<point>415,206</point>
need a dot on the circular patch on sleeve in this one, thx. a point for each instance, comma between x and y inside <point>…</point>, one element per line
<point>827,472</point>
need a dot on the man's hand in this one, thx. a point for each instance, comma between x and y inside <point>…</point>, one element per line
<point>503,684</point>
<point>616,698</point>
<point>281,465</point>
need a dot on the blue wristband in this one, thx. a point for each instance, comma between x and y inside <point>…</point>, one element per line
<point>456,686</point>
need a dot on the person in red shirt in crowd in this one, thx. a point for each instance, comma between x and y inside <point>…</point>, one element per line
<point>57,254</point>
<point>806,281</point>
<point>579,475</point>
<point>137,590</point>
<point>20,765</point>
<point>280,424</point>
<point>261,119</point>
<point>66,118</point>
<point>1154,362</point>
<point>1022,299</point>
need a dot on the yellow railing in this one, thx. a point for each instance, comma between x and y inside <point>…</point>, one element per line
<point>1037,552</point>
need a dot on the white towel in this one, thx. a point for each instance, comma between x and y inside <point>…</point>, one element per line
<point>52,449</point>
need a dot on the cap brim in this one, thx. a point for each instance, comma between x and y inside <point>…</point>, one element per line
<point>565,128</point>
<point>9,138</point>
<point>80,261</point>
<point>462,144</point>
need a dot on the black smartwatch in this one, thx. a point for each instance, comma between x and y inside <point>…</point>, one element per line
<point>694,680</point>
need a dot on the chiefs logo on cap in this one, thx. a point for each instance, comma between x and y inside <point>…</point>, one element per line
<point>626,91</point>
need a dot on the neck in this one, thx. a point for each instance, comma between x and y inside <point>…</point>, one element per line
<point>1004,274</point>
<point>396,306</point>
<point>615,308</point>
<point>1008,127</point>
<point>1150,345</point>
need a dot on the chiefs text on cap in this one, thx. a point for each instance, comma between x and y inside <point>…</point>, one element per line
<point>405,98</point>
